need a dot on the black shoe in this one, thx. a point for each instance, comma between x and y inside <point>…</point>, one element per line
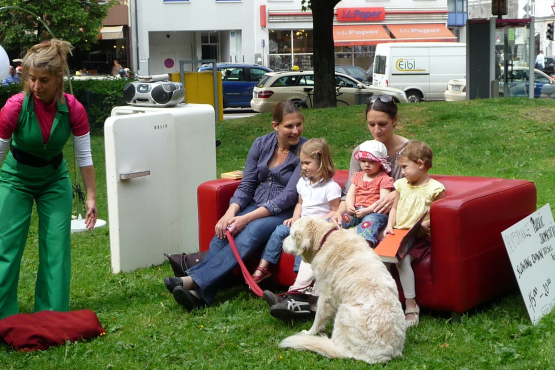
<point>172,282</point>
<point>187,299</point>
<point>291,307</point>
<point>271,298</point>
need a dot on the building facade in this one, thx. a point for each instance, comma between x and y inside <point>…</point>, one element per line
<point>277,33</point>
<point>543,12</point>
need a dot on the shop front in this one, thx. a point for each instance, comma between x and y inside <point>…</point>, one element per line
<point>357,31</point>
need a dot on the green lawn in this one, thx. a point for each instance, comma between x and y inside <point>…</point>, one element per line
<point>146,329</point>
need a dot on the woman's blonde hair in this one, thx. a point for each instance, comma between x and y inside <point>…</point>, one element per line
<point>50,55</point>
<point>416,150</point>
<point>319,150</point>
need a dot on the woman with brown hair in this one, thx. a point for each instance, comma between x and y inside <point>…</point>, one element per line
<point>264,199</point>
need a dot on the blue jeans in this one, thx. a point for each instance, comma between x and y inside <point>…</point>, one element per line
<point>220,260</point>
<point>368,226</point>
<point>273,249</point>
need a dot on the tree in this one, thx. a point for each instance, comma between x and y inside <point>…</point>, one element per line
<point>76,21</point>
<point>324,53</point>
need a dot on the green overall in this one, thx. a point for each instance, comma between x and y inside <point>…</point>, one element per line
<point>50,187</point>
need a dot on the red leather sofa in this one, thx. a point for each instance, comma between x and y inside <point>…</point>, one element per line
<point>468,264</point>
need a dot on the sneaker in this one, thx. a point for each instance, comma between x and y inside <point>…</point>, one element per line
<point>291,307</point>
<point>271,298</point>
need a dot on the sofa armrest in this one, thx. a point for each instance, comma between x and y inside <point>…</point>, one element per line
<point>213,201</point>
<point>468,256</point>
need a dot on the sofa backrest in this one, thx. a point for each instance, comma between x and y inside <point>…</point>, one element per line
<point>454,185</point>
<point>341,177</point>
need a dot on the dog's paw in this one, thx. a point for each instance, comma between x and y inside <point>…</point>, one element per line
<point>305,332</point>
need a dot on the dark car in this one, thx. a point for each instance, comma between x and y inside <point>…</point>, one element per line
<point>353,71</point>
<point>549,67</point>
<point>369,75</point>
<point>238,80</point>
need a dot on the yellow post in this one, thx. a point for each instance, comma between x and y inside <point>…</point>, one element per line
<point>199,89</point>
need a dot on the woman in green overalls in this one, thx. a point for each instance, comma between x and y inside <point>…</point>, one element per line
<point>34,127</point>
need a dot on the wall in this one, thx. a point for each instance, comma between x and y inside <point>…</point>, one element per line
<point>178,46</point>
<point>243,17</point>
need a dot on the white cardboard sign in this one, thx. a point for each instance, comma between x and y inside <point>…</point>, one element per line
<point>530,244</point>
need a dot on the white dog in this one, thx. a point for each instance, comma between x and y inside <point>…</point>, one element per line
<point>355,288</point>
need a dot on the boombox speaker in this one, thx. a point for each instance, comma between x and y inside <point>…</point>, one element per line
<point>154,93</point>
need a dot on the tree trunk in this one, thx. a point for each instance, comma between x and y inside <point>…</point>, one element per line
<point>324,53</point>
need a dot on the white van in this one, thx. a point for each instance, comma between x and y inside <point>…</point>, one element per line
<point>421,69</point>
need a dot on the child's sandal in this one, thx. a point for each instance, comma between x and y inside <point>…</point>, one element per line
<point>416,312</point>
<point>265,274</point>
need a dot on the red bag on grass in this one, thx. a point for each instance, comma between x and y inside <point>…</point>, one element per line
<point>40,330</point>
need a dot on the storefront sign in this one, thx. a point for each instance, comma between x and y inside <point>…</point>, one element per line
<point>360,14</point>
<point>530,244</point>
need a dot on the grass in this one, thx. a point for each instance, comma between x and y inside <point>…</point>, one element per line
<point>146,329</point>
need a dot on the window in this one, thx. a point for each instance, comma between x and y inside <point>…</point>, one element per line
<point>379,66</point>
<point>288,48</point>
<point>257,74</point>
<point>233,74</point>
<point>209,37</point>
<point>540,78</point>
<point>263,81</point>
<point>306,80</point>
<point>344,82</point>
<point>285,81</point>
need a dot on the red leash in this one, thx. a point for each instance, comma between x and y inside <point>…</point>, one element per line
<point>246,274</point>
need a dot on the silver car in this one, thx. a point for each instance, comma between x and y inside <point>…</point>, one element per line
<point>298,86</point>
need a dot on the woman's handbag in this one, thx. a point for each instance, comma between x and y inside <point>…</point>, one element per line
<point>181,262</point>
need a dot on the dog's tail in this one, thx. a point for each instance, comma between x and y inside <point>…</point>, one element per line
<point>319,344</point>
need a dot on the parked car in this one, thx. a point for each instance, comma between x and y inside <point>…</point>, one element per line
<point>518,83</point>
<point>456,90</point>
<point>297,86</point>
<point>369,75</point>
<point>353,71</point>
<point>549,68</point>
<point>238,81</point>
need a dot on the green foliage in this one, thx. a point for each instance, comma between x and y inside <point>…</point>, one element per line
<point>147,329</point>
<point>76,21</point>
<point>103,96</point>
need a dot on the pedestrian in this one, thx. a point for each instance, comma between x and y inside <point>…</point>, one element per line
<point>540,61</point>
<point>13,77</point>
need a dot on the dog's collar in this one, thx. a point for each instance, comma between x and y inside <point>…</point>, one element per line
<point>325,238</point>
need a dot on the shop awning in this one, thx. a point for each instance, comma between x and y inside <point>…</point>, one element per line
<point>421,32</point>
<point>111,33</point>
<point>359,35</point>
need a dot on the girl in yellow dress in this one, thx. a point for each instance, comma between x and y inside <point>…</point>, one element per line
<point>415,193</point>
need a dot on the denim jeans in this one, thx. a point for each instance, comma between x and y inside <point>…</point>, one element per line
<point>220,260</point>
<point>272,251</point>
<point>368,226</point>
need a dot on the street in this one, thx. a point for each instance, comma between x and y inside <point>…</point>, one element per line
<point>233,113</point>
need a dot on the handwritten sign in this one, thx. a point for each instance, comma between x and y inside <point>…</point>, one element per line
<point>531,247</point>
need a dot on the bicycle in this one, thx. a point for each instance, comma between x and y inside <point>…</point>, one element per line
<point>303,102</point>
